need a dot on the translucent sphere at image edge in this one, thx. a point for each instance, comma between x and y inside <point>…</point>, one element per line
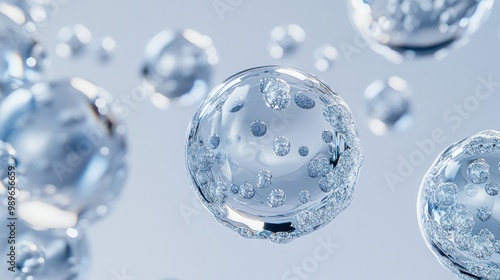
<point>43,255</point>
<point>69,151</point>
<point>399,29</point>
<point>273,153</point>
<point>458,207</point>
<point>21,54</point>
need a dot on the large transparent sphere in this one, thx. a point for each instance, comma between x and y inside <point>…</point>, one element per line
<point>20,53</point>
<point>459,207</point>
<point>401,29</point>
<point>69,150</point>
<point>273,153</point>
<point>42,255</point>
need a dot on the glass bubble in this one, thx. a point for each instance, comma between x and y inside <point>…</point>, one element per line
<point>399,29</point>
<point>178,67</point>
<point>43,255</point>
<point>73,40</point>
<point>387,105</point>
<point>38,11</point>
<point>105,49</point>
<point>70,152</point>
<point>280,179</point>
<point>285,40</point>
<point>21,54</point>
<point>325,57</point>
<point>458,207</point>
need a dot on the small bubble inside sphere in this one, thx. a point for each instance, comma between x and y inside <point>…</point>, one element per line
<point>458,207</point>
<point>280,179</point>
<point>399,29</point>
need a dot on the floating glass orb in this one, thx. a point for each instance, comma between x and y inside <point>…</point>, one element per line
<point>43,255</point>
<point>325,57</point>
<point>74,40</point>
<point>70,152</point>
<point>387,105</point>
<point>178,67</point>
<point>21,55</point>
<point>401,29</point>
<point>273,153</point>
<point>105,49</point>
<point>285,40</point>
<point>38,11</point>
<point>458,207</point>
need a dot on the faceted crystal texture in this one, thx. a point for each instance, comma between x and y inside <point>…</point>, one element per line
<point>69,150</point>
<point>387,105</point>
<point>43,255</point>
<point>178,67</point>
<point>458,207</point>
<point>401,29</point>
<point>280,178</point>
<point>21,55</point>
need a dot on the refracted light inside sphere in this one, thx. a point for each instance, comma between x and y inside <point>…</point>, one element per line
<point>43,255</point>
<point>21,55</point>
<point>387,105</point>
<point>69,150</point>
<point>458,207</point>
<point>401,29</point>
<point>178,67</point>
<point>291,156</point>
<point>285,40</point>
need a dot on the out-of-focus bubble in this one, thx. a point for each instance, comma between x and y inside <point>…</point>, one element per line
<point>73,40</point>
<point>291,157</point>
<point>400,29</point>
<point>178,67</point>
<point>458,209</point>
<point>21,55</point>
<point>38,11</point>
<point>388,105</point>
<point>42,255</point>
<point>69,150</point>
<point>325,57</point>
<point>285,40</point>
<point>105,49</point>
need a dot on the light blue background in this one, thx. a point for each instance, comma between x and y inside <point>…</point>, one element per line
<point>147,236</point>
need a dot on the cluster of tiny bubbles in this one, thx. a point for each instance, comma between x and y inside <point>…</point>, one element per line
<point>285,40</point>
<point>399,29</point>
<point>43,255</point>
<point>178,67</point>
<point>387,105</point>
<point>458,207</point>
<point>325,57</point>
<point>70,152</point>
<point>273,153</point>
<point>21,54</point>
<point>74,40</point>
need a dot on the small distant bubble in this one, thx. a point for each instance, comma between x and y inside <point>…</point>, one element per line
<point>73,40</point>
<point>327,136</point>
<point>304,196</point>
<point>276,198</point>
<point>285,40</point>
<point>325,57</point>
<point>388,105</point>
<point>304,101</point>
